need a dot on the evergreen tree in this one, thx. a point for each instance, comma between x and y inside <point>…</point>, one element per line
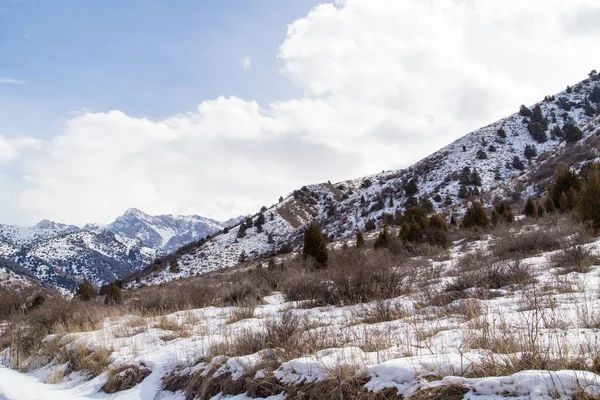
<point>270,238</point>
<point>588,204</point>
<point>502,133</point>
<point>260,220</point>
<point>567,183</point>
<point>595,95</point>
<point>530,209</point>
<point>481,155</point>
<point>463,192</point>
<point>370,225</point>
<point>525,111</point>
<point>384,239</point>
<point>391,204</point>
<point>530,152</point>
<point>572,133</point>
<point>411,188</point>
<point>448,201</point>
<point>114,295</point>
<point>315,245</point>
<point>539,209</point>
<point>475,216</point>
<point>241,231</point>
<point>537,131</point>
<point>362,200</point>
<point>517,163</point>
<point>549,203</point>
<point>475,177</point>
<point>360,240</point>
<point>280,199</point>
<point>86,291</point>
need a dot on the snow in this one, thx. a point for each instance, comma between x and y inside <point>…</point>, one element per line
<point>423,344</point>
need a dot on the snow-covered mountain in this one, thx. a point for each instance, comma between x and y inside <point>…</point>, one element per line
<point>62,255</point>
<point>164,233</point>
<point>510,158</point>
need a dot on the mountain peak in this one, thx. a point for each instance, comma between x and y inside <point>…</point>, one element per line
<point>136,212</point>
<point>47,224</point>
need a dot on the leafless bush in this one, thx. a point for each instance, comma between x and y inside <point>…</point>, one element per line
<point>352,277</point>
<point>484,271</point>
<point>577,258</point>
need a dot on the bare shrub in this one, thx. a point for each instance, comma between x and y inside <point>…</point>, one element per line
<point>577,258</point>
<point>352,277</point>
<point>484,271</point>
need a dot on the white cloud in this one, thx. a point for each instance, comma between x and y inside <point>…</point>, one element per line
<point>10,81</point>
<point>246,62</point>
<point>385,83</point>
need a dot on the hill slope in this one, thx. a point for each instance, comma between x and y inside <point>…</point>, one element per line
<point>485,162</point>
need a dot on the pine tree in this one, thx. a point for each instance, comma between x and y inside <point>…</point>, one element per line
<point>114,295</point>
<point>475,216</point>
<point>270,238</point>
<point>572,133</point>
<point>370,225</point>
<point>411,187</point>
<point>530,152</point>
<point>86,291</point>
<point>539,209</point>
<point>241,231</point>
<point>588,205</point>
<point>391,201</point>
<point>360,240</point>
<point>384,239</point>
<point>260,220</point>
<point>315,245</point>
<point>530,209</point>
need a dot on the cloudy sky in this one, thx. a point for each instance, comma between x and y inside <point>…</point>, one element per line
<point>217,108</point>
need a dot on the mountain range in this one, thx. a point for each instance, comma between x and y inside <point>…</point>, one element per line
<point>61,255</point>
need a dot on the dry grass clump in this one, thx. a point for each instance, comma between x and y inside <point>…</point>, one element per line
<point>283,333</point>
<point>451,391</point>
<point>124,377</point>
<point>240,313</point>
<point>382,311</point>
<point>80,358</point>
<point>576,258</point>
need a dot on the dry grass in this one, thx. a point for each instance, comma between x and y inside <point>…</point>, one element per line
<point>240,313</point>
<point>80,358</point>
<point>452,391</point>
<point>124,377</point>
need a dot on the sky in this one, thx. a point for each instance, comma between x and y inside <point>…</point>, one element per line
<point>217,108</point>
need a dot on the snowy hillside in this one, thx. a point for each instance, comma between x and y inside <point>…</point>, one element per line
<point>531,336</point>
<point>488,160</point>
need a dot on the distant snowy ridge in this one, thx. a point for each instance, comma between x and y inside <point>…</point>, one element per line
<point>61,255</point>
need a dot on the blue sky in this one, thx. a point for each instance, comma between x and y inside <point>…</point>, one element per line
<point>144,57</point>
